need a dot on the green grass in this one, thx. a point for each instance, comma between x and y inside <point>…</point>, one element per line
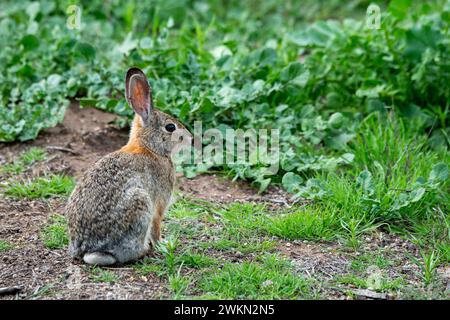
<point>187,208</point>
<point>25,160</point>
<point>370,272</point>
<point>428,265</point>
<point>316,222</point>
<point>382,284</point>
<point>397,183</point>
<point>245,228</point>
<point>4,245</point>
<point>433,232</point>
<point>197,267</point>
<point>269,279</point>
<point>195,260</point>
<point>54,234</point>
<point>352,280</point>
<point>32,155</point>
<point>305,223</point>
<point>362,262</point>
<point>242,220</point>
<point>101,275</point>
<point>12,168</point>
<point>170,259</point>
<point>47,290</point>
<point>178,284</point>
<point>148,266</point>
<point>41,187</point>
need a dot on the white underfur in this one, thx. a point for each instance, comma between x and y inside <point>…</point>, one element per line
<point>99,259</point>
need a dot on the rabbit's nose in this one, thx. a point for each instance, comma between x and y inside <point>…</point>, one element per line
<point>182,136</point>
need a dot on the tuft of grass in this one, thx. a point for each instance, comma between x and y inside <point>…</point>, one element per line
<point>242,217</point>
<point>169,258</point>
<point>353,280</point>
<point>383,284</point>
<point>428,265</point>
<point>32,155</point>
<point>44,291</point>
<point>433,232</point>
<point>186,208</point>
<point>101,275</point>
<point>54,235</point>
<point>149,265</point>
<point>269,279</point>
<point>396,182</point>
<point>12,168</point>
<point>4,245</point>
<point>304,223</point>
<point>361,262</point>
<point>26,159</point>
<point>41,187</point>
<point>178,284</point>
<point>400,183</point>
<point>242,220</point>
<point>356,227</point>
<point>195,260</point>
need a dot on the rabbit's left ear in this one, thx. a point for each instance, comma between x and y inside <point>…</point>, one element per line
<point>139,94</point>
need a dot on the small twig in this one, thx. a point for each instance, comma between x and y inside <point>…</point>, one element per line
<point>62,149</point>
<point>10,290</point>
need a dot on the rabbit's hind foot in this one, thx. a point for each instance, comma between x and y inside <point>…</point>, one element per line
<point>99,259</point>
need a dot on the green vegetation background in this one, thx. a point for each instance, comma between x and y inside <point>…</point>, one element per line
<point>363,112</point>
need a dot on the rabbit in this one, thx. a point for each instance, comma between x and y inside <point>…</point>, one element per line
<point>114,214</point>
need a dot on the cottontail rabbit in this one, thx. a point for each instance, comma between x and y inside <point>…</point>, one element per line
<point>117,207</point>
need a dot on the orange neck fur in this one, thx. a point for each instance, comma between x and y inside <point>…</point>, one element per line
<point>133,145</point>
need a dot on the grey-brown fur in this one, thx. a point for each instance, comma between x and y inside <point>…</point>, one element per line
<point>115,210</point>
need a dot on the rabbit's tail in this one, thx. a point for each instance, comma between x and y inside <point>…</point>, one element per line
<point>99,259</point>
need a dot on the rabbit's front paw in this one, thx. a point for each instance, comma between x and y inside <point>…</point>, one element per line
<point>155,241</point>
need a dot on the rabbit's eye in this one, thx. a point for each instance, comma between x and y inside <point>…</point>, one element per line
<point>170,127</point>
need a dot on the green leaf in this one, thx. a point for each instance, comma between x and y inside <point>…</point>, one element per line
<point>314,189</point>
<point>128,44</point>
<point>291,181</point>
<point>53,81</point>
<point>293,70</point>
<point>420,39</point>
<point>146,43</point>
<point>320,34</point>
<point>339,141</point>
<point>263,184</point>
<point>439,173</point>
<point>373,92</point>
<point>86,102</point>
<point>417,194</point>
<point>336,120</point>
<point>364,181</point>
<point>30,42</point>
<point>399,8</point>
<point>85,50</point>
<point>33,9</point>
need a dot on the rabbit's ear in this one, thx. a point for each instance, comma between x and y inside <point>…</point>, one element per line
<point>139,93</point>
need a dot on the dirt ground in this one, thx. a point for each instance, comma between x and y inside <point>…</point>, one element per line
<point>85,136</point>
